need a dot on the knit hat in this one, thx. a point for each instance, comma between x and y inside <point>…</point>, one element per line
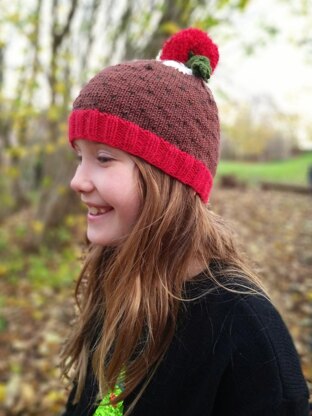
<point>159,110</point>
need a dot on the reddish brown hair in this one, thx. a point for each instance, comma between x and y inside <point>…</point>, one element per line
<point>129,296</point>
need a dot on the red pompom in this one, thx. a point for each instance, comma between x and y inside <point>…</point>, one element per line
<point>179,46</point>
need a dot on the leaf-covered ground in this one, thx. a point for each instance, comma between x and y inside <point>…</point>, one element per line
<point>274,228</point>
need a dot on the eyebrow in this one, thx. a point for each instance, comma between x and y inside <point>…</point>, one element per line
<point>110,149</point>
<point>114,151</point>
<point>104,146</point>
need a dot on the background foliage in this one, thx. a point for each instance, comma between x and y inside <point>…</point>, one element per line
<point>48,49</point>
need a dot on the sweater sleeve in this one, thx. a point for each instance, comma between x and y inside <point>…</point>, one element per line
<point>263,376</point>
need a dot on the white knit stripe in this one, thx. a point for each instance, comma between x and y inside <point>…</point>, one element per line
<point>177,65</point>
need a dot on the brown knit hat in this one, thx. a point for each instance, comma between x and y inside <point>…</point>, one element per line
<point>159,110</point>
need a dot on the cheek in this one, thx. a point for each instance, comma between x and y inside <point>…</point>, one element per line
<point>131,203</point>
<point>136,206</point>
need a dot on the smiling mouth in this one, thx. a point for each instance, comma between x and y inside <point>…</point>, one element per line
<point>94,211</point>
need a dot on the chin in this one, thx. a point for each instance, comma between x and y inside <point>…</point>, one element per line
<point>102,240</point>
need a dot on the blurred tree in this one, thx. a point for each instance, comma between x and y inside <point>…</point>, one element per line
<point>260,131</point>
<point>56,168</point>
<point>248,138</point>
<point>21,107</point>
<point>1,101</point>
<point>302,36</point>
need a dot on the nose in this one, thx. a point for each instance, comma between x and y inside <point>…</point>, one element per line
<point>81,182</point>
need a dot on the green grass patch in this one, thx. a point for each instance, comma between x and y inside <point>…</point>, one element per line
<point>293,171</point>
<point>51,267</point>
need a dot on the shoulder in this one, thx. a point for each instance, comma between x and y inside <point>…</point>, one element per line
<point>239,316</point>
<point>238,298</point>
<point>247,337</point>
<point>229,302</point>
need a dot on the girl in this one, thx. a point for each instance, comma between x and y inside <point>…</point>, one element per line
<point>171,319</point>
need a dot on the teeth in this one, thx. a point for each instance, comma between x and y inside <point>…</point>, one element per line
<point>96,211</point>
<point>93,211</point>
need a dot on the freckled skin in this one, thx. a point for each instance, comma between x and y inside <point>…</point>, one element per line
<point>107,178</point>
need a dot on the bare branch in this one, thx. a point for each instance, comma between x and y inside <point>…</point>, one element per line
<point>90,32</point>
<point>59,36</point>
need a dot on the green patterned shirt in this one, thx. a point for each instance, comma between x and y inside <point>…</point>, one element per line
<point>107,409</point>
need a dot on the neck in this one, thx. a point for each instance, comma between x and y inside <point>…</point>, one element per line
<point>194,269</point>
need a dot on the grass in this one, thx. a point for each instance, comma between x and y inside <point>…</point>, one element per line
<point>294,170</point>
<point>55,268</point>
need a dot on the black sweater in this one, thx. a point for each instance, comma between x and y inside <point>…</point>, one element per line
<point>231,356</point>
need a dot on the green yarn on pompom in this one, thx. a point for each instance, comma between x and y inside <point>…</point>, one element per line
<point>200,66</point>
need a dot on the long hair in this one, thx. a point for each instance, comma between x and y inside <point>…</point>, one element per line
<point>128,296</point>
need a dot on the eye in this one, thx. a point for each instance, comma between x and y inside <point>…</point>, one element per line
<point>104,159</point>
<point>78,158</point>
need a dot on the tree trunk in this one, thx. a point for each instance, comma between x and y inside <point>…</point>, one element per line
<point>57,200</point>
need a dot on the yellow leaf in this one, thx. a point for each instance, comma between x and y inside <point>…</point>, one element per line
<point>28,394</point>
<point>37,226</point>
<point>14,18</point>
<point>52,397</point>
<point>70,220</point>
<point>2,392</point>
<point>13,390</point>
<point>49,148</point>
<point>60,87</point>
<point>3,270</point>
<point>13,172</point>
<point>53,113</point>
<point>169,28</point>
<point>37,315</point>
<point>17,152</point>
